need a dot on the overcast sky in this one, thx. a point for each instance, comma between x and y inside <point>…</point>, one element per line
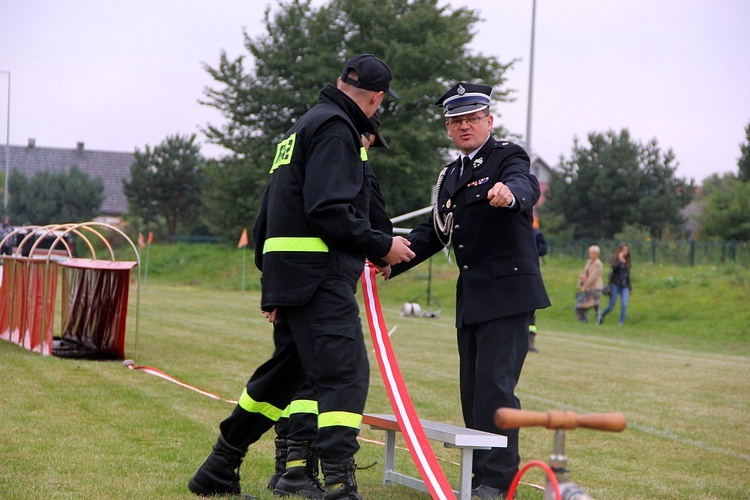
<point>121,75</point>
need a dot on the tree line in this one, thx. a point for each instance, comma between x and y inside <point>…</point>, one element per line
<point>609,185</point>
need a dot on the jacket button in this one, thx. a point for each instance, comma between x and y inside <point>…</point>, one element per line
<point>515,269</point>
<point>477,195</point>
<point>456,226</point>
<point>460,247</point>
<point>465,268</point>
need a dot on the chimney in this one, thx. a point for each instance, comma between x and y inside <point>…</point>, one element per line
<point>80,147</point>
<point>32,142</point>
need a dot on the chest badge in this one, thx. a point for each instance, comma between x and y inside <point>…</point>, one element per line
<point>483,180</point>
<point>448,203</point>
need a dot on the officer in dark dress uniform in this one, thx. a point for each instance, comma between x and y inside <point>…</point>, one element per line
<point>483,209</point>
<point>311,238</point>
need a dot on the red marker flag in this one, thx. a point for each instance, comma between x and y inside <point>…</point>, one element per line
<point>150,237</point>
<point>243,239</point>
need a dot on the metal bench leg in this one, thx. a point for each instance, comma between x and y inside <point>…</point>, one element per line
<point>464,482</point>
<point>390,456</point>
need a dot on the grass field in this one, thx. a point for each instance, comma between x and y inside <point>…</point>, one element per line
<point>679,369</point>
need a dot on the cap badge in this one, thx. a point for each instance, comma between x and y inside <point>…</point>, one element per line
<point>460,90</point>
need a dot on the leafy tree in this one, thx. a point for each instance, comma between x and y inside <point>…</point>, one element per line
<point>633,233</point>
<point>55,197</point>
<point>744,162</point>
<point>717,182</point>
<point>614,181</point>
<point>305,48</point>
<point>165,183</point>
<point>727,213</point>
<point>232,199</point>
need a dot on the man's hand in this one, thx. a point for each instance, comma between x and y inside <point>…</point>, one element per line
<point>270,316</point>
<point>500,195</point>
<point>385,271</point>
<point>399,251</point>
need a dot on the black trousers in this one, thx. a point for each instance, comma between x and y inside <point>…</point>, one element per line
<point>491,358</point>
<point>323,340</point>
<point>299,426</point>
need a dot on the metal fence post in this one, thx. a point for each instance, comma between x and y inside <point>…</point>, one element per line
<point>692,253</point>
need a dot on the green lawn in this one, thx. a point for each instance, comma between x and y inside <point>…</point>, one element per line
<point>679,369</point>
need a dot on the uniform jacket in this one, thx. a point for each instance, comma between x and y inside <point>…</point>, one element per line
<point>379,218</point>
<point>541,243</point>
<point>494,248</point>
<point>314,223</point>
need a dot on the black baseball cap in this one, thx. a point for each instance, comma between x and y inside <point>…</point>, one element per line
<point>372,74</point>
<point>379,141</point>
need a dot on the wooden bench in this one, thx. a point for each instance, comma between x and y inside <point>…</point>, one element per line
<point>452,436</point>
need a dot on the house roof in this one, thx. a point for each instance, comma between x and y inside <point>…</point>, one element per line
<point>112,167</point>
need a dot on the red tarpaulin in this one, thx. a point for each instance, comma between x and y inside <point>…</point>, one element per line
<point>27,303</point>
<point>94,308</point>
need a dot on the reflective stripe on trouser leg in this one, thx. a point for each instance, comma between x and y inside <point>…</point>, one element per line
<point>250,405</point>
<point>337,363</point>
<point>269,390</point>
<point>299,421</point>
<point>303,420</point>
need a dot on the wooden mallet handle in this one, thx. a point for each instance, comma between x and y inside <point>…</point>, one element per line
<point>510,418</point>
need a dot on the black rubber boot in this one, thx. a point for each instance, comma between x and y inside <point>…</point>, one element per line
<point>219,474</point>
<point>301,476</point>
<point>281,450</point>
<point>339,479</point>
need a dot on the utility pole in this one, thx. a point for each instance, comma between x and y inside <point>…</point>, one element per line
<point>531,80</point>
<point>7,148</point>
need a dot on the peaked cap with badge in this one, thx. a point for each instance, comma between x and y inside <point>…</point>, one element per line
<point>464,98</point>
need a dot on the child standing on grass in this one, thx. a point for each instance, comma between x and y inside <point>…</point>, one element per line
<point>620,282</point>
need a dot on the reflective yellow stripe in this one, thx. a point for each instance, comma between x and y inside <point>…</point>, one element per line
<point>252,406</point>
<point>342,418</point>
<point>287,411</point>
<point>296,463</point>
<point>304,406</point>
<point>363,153</point>
<point>292,244</point>
<point>532,328</point>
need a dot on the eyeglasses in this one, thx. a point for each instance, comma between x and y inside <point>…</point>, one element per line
<point>457,122</point>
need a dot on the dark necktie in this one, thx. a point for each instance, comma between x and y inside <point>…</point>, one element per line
<point>466,164</point>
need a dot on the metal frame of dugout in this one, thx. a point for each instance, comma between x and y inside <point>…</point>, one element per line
<point>94,292</point>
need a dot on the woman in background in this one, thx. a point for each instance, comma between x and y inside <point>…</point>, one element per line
<point>620,282</point>
<point>589,285</point>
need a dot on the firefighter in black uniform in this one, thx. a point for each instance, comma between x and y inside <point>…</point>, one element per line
<point>311,238</point>
<point>296,471</point>
<point>483,209</point>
